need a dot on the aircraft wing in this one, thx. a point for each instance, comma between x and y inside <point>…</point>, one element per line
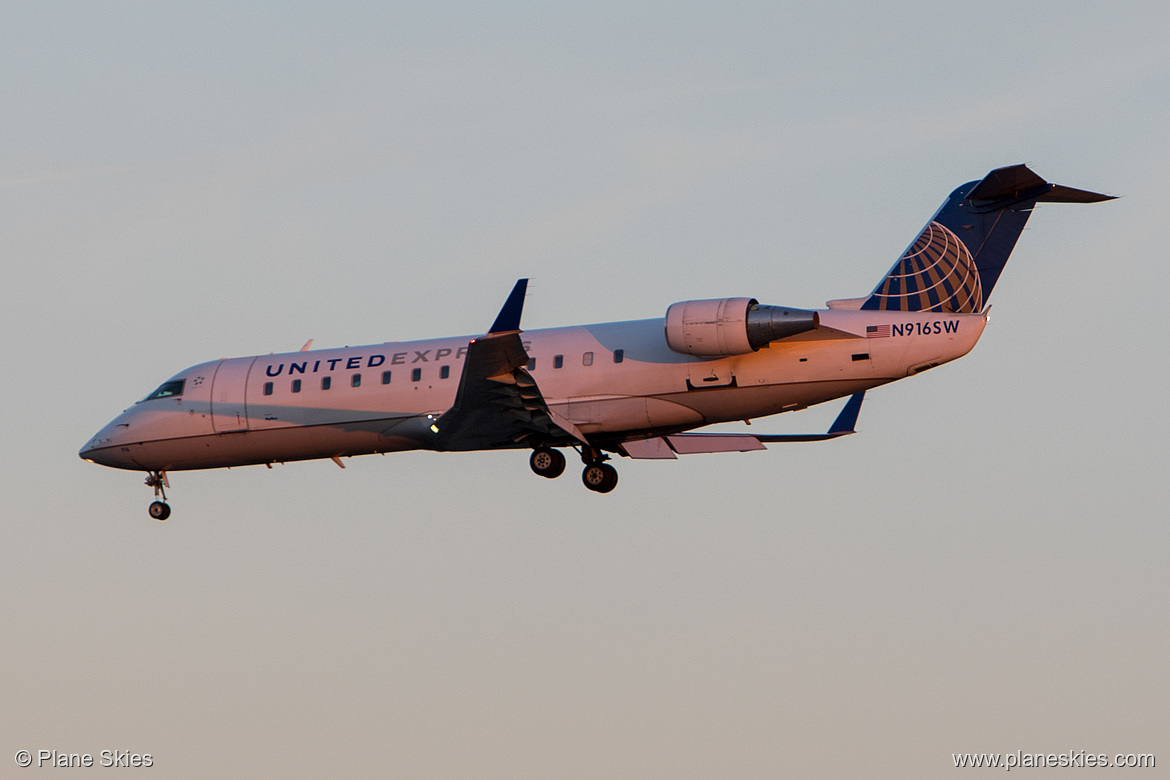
<point>669,447</point>
<point>498,403</point>
<point>844,425</point>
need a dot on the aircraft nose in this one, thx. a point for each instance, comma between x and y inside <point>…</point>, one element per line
<point>94,451</point>
<point>103,447</point>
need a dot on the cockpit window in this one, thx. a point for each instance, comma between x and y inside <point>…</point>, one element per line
<point>168,390</point>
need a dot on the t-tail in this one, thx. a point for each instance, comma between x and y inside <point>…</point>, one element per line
<point>957,258</point>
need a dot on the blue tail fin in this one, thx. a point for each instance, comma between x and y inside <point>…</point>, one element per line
<point>957,258</point>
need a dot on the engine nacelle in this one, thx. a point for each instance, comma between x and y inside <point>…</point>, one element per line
<point>731,326</point>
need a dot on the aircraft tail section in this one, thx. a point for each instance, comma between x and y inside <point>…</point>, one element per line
<point>957,258</point>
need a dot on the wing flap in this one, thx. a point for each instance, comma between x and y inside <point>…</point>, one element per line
<point>649,449</point>
<point>694,443</point>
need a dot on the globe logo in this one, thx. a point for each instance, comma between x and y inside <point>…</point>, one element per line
<point>937,273</point>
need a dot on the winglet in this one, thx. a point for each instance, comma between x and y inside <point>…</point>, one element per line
<point>842,426</point>
<point>847,419</point>
<point>508,320</point>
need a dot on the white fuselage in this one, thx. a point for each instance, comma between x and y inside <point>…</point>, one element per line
<point>611,379</point>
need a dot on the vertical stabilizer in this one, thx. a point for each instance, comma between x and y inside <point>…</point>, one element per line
<point>957,258</point>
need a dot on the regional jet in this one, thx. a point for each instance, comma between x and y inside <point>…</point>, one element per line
<point>635,389</point>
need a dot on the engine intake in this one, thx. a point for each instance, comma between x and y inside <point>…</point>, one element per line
<point>731,326</point>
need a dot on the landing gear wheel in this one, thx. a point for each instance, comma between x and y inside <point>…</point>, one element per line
<point>548,463</point>
<point>159,510</point>
<point>600,477</point>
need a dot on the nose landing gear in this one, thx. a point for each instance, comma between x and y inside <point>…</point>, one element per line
<point>159,510</point>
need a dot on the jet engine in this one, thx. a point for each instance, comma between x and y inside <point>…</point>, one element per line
<point>731,326</point>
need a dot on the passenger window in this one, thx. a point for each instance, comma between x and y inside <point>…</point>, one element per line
<point>326,382</point>
<point>444,372</point>
<point>296,386</point>
<point>416,375</point>
<point>587,359</point>
<point>531,364</point>
<point>385,377</point>
<point>559,361</point>
<point>355,380</point>
<point>619,355</point>
<point>168,390</point>
<point>267,388</point>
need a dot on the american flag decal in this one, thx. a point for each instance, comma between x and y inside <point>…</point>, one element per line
<point>877,331</point>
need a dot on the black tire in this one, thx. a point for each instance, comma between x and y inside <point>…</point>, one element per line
<point>160,511</point>
<point>547,462</point>
<point>611,478</point>
<point>600,477</point>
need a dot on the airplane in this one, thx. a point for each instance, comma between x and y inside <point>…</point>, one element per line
<point>636,389</point>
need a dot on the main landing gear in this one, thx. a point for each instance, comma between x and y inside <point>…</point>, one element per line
<point>598,475</point>
<point>159,510</point>
<point>547,462</point>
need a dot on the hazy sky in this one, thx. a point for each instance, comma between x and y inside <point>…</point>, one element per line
<point>982,569</point>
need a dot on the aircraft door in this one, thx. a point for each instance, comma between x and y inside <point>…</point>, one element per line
<point>228,410</point>
<point>710,373</point>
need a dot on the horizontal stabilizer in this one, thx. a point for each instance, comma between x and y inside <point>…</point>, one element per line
<point>1019,181</point>
<point>1062,194</point>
